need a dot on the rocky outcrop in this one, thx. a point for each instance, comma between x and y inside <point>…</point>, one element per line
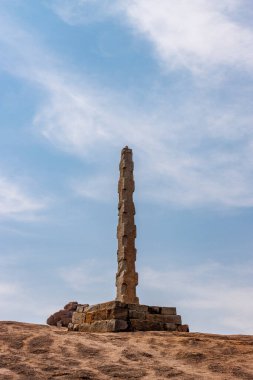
<point>63,317</point>
<point>37,352</point>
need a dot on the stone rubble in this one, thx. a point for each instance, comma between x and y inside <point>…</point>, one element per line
<point>63,317</point>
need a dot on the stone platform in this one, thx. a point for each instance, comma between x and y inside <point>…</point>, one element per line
<point>116,316</point>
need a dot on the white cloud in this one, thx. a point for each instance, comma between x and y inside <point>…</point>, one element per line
<point>211,297</point>
<point>15,202</point>
<point>75,116</point>
<point>193,154</point>
<point>195,35</point>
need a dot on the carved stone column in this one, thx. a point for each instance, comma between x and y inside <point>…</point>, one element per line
<point>126,277</point>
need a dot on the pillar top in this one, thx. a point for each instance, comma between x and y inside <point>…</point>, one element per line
<point>126,149</point>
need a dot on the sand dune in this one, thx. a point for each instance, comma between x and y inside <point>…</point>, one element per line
<point>29,351</point>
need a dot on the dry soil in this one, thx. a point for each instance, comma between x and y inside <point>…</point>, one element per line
<point>29,351</point>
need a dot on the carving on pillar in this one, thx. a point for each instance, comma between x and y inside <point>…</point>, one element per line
<point>126,277</point>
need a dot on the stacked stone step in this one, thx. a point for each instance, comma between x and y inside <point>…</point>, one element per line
<point>117,316</point>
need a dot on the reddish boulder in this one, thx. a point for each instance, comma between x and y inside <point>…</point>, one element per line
<point>183,328</point>
<point>63,317</point>
<point>71,306</point>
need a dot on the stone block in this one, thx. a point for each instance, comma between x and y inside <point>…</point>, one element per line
<point>99,315</point>
<point>164,318</point>
<point>134,314</point>
<point>116,325</point>
<point>154,309</point>
<point>112,325</point>
<point>112,305</point>
<point>85,327</point>
<point>71,306</point>
<point>170,327</point>
<point>66,321</point>
<point>139,325</point>
<point>117,313</point>
<point>183,328</point>
<point>70,326</point>
<point>89,317</point>
<point>174,319</point>
<point>82,308</point>
<point>136,307</point>
<point>168,310</point>
<point>93,307</point>
<point>78,317</point>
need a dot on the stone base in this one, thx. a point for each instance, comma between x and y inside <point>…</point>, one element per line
<point>116,316</point>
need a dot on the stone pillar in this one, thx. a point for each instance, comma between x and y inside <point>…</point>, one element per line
<point>126,277</point>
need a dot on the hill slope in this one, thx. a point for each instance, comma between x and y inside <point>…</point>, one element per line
<point>29,351</point>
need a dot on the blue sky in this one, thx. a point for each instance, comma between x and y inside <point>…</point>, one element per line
<point>173,79</point>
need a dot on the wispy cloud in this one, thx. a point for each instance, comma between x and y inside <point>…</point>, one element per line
<point>86,273</point>
<point>190,154</point>
<point>99,188</point>
<point>90,281</point>
<point>82,11</point>
<point>214,297</point>
<point>194,35</point>
<point>15,202</point>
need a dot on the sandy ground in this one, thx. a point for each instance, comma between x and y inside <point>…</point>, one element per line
<point>29,351</point>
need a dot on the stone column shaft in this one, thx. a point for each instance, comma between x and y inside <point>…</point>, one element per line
<point>126,277</point>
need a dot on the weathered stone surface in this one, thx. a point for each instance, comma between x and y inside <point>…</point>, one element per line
<point>78,318</point>
<point>109,316</point>
<point>81,308</point>
<point>134,314</point>
<point>170,327</point>
<point>113,305</point>
<point>126,277</point>
<point>139,325</point>
<point>154,309</point>
<point>164,318</point>
<point>168,310</point>
<point>100,315</point>
<point>81,327</point>
<point>112,325</point>
<point>71,306</point>
<point>143,308</point>
<point>117,313</point>
<point>89,317</point>
<point>183,328</point>
<point>92,308</point>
